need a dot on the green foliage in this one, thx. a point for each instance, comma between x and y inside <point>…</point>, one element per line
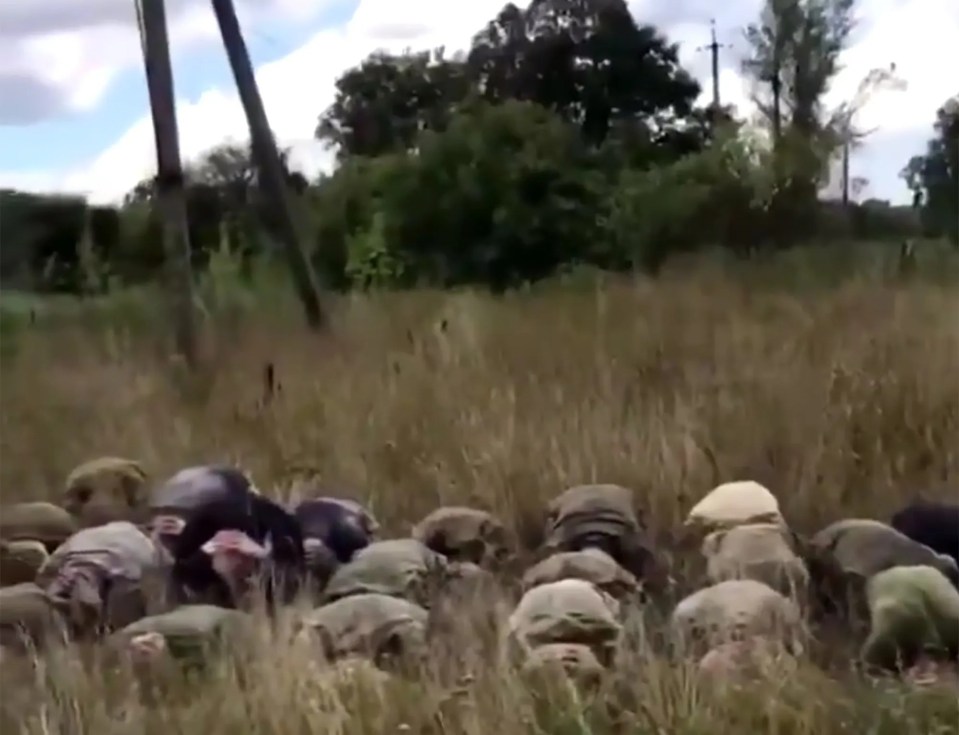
<point>934,176</point>
<point>371,263</point>
<point>564,139</point>
<point>140,255</point>
<point>718,197</point>
<point>505,195</point>
<point>41,236</point>
<point>585,60</point>
<point>343,205</point>
<point>224,289</point>
<point>588,61</point>
<point>92,275</point>
<point>795,48</point>
<point>382,104</point>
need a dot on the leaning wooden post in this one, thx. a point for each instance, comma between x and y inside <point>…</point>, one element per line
<point>267,160</point>
<point>170,198</point>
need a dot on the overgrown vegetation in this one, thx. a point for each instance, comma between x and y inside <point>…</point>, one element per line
<point>840,396</point>
<point>563,154</point>
<point>567,134</point>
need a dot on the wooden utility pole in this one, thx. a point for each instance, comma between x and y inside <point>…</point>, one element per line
<point>846,143</point>
<point>267,160</point>
<point>170,197</point>
<point>776,82</point>
<point>713,49</point>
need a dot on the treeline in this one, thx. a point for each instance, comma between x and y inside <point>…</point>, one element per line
<point>567,134</point>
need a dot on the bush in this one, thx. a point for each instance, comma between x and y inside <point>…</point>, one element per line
<point>343,207</point>
<point>370,262</point>
<point>506,194</point>
<point>842,401</point>
<point>717,197</point>
<point>503,195</point>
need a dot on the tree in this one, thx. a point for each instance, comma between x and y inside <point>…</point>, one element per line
<point>506,194</point>
<point>229,173</point>
<point>206,211</point>
<point>383,104</point>
<point>842,122</point>
<point>718,196</point>
<point>497,60</point>
<point>934,176</point>
<point>588,61</point>
<point>344,204</point>
<point>227,168</point>
<point>41,237</point>
<point>794,55</point>
<point>222,190</point>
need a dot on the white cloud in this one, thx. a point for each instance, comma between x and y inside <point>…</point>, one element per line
<point>38,181</point>
<point>81,63</point>
<point>78,49</point>
<point>217,114</point>
<point>919,36</point>
<point>921,39</point>
<point>22,19</point>
<point>299,86</point>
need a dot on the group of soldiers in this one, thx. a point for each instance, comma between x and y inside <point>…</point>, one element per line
<point>160,571</point>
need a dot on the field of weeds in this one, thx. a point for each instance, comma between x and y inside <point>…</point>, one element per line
<point>842,399</point>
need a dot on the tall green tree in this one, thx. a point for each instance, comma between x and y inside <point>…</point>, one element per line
<point>222,190</point>
<point>40,237</point>
<point>934,176</point>
<point>794,54</point>
<point>382,105</point>
<point>227,168</point>
<point>588,61</point>
<point>794,50</point>
<point>230,168</point>
<point>506,194</point>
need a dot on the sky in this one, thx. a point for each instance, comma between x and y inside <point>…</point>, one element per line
<point>74,113</point>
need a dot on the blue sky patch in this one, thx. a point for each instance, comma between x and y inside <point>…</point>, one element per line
<point>74,139</point>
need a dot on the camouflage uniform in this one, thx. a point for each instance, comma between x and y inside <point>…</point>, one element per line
<point>97,576</point>
<point>914,613</point>
<point>567,611</point>
<point>27,617</point>
<point>735,504</point>
<point>844,555</point>
<point>190,632</point>
<point>602,516</point>
<point>375,626</point>
<point>759,551</point>
<point>20,561</point>
<point>592,565</point>
<point>398,567</point>
<point>737,609</point>
<point>866,547</point>
<point>49,524</point>
<point>106,489</point>
<point>463,534</point>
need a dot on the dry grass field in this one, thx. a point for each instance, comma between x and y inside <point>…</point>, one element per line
<point>844,400</point>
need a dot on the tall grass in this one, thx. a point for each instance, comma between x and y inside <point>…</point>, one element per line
<point>844,400</point>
